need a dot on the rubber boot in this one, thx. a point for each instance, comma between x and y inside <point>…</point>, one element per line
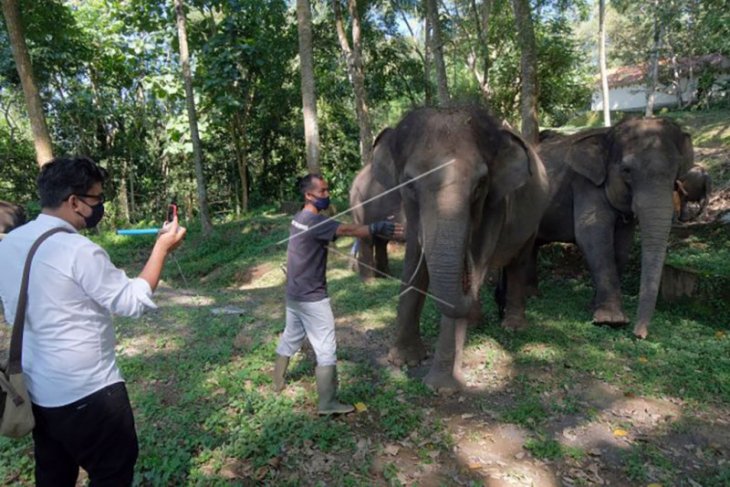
<point>280,366</point>
<point>327,389</point>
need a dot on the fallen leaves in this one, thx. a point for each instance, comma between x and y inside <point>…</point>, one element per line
<point>620,432</point>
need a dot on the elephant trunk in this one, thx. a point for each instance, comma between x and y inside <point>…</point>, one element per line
<point>450,267</point>
<point>655,220</point>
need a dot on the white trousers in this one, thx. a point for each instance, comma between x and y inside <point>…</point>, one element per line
<point>313,321</point>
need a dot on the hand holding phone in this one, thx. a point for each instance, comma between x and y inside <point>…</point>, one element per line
<point>171,234</point>
<point>171,212</point>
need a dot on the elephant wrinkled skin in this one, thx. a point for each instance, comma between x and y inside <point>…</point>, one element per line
<point>367,207</point>
<point>601,182</point>
<point>470,189</point>
<point>11,216</point>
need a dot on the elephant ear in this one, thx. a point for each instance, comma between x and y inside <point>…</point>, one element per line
<point>511,167</point>
<point>686,152</point>
<point>588,156</point>
<point>384,169</point>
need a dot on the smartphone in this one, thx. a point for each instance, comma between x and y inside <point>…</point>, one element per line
<point>171,212</point>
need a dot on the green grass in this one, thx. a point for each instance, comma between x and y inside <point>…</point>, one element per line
<point>199,382</point>
<point>706,250</point>
<point>550,449</point>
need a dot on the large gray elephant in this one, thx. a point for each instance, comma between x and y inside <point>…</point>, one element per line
<point>602,181</point>
<point>470,189</point>
<point>694,186</point>
<point>369,206</point>
<point>11,216</point>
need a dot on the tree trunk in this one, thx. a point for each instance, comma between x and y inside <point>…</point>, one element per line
<point>483,19</point>
<point>438,51</point>
<point>602,61</point>
<point>677,80</point>
<point>192,118</point>
<point>428,93</point>
<point>528,69</point>
<point>132,204</point>
<point>309,98</point>
<point>122,197</point>
<point>654,65</point>
<point>41,138</point>
<point>353,56</point>
<point>241,157</point>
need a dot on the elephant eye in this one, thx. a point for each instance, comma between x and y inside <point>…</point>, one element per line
<point>626,170</point>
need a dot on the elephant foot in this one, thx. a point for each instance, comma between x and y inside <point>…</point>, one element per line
<point>641,330</point>
<point>443,381</point>
<point>515,323</point>
<point>608,316</point>
<point>411,354</point>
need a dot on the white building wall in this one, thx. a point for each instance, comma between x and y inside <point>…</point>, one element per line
<point>628,98</point>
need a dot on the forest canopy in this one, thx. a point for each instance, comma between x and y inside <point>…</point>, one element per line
<point>109,77</point>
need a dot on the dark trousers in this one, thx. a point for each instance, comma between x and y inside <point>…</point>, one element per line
<point>96,433</point>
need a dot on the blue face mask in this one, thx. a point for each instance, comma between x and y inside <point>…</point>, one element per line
<point>322,203</point>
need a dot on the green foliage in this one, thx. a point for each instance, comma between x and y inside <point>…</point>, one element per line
<point>640,459</point>
<point>545,449</point>
<point>202,379</point>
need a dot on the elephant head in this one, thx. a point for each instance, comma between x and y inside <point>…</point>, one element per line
<point>454,165</point>
<point>11,216</point>
<point>637,162</point>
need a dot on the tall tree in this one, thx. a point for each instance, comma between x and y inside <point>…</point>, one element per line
<point>653,77</point>
<point>356,71</point>
<point>309,98</point>
<point>437,48</point>
<point>528,69</point>
<point>41,138</point>
<point>602,62</point>
<point>192,118</point>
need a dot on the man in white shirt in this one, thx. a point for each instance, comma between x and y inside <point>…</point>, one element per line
<point>80,404</point>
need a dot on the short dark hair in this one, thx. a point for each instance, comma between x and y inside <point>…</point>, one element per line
<point>305,184</point>
<point>63,177</point>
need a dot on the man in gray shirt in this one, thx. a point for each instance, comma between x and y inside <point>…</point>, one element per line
<point>308,311</point>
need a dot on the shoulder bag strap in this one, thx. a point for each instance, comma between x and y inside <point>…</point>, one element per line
<point>16,341</point>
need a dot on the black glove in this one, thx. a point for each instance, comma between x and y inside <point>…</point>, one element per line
<point>382,229</point>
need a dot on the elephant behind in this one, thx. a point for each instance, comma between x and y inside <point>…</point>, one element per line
<point>694,186</point>
<point>368,207</point>
<point>11,216</point>
<point>602,181</point>
<point>470,189</point>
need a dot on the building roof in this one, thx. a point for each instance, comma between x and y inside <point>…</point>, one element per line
<point>633,75</point>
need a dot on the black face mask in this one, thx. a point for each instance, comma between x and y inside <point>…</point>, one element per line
<point>97,213</point>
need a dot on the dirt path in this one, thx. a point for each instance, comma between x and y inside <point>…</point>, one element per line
<point>598,435</point>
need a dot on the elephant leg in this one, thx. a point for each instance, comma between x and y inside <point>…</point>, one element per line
<point>445,375</point>
<point>595,222</point>
<point>500,293</point>
<point>475,315</point>
<point>684,212</point>
<point>623,240</point>
<point>409,348</point>
<point>381,257</point>
<point>365,259</point>
<point>516,274</point>
<point>531,281</point>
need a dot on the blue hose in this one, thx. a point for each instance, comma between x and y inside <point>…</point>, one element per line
<point>138,231</point>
